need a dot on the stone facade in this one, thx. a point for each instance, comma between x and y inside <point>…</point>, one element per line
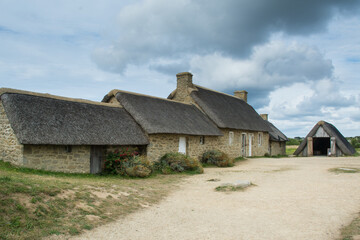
<point>58,158</point>
<point>277,148</point>
<point>195,146</point>
<point>10,148</point>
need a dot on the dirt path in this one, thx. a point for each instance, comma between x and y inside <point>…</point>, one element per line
<point>296,198</point>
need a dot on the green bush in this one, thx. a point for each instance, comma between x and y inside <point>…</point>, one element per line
<point>178,162</point>
<point>218,158</point>
<point>127,162</point>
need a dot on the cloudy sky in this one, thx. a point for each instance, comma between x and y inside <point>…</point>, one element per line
<point>299,60</point>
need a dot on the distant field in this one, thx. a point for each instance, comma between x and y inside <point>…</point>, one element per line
<point>290,149</point>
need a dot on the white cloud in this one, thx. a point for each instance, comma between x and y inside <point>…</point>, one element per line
<point>269,67</point>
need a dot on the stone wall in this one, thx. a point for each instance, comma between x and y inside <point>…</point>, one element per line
<point>164,143</point>
<point>277,148</point>
<point>58,158</point>
<point>10,148</point>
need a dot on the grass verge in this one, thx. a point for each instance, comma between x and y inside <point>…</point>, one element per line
<point>36,203</point>
<point>353,229</point>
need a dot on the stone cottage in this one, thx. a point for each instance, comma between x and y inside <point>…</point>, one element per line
<point>244,132</point>
<point>171,126</point>
<point>324,139</point>
<point>62,134</point>
<point>73,135</point>
<point>277,140</point>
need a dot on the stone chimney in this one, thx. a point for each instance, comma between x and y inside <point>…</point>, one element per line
<point>241,94</point>
<point>184,81</point>
<point>264,116</point>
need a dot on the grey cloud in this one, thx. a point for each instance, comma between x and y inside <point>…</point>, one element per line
<point>158,28</point>
<point>271,66</point>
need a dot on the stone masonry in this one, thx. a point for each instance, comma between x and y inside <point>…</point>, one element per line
<point>164,143</point>
<point>58,158</point>
<point>10,148</point>
<point>277,148</point>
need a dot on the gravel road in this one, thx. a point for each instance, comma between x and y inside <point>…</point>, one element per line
<point>295,198</point>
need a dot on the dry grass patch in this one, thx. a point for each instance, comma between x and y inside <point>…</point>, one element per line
<point>234,187</point>
<point>345,170</point>
<point>36,204</point>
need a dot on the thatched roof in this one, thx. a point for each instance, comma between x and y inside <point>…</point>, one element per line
<point>228,111</point>
<point>158,115</point>
<point>275,134</point>
<point>332,131</point>
<point>43,119</point>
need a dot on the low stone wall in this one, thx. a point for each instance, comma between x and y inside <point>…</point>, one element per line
<point>164,143</point>
<point>57,158</point>
<point>10,148</point>
<point>277,148</point>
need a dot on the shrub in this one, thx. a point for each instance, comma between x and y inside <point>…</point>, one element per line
<point>178,162</point>
<point>218,158</point>
<point>127,161</point>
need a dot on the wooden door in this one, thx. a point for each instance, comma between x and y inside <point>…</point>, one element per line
<point>243,145</point>
<point>96,155</point>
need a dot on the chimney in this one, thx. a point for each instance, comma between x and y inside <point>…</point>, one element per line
<point>241,94</point>
<point>264,116</point>
<point>184,81</point>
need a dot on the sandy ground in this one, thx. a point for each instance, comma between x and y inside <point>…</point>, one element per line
<point>295,198</point>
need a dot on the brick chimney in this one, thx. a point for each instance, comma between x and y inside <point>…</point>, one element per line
<point>264,116</point>
<point>241,94</point>
<point>184,81</point>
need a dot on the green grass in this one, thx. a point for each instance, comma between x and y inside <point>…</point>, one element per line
<point>232,188</point>
<point>345,170</point>
<point>291,149</point>
<point>37,203</point>
<point>351,230</point>
<point>239,159</point>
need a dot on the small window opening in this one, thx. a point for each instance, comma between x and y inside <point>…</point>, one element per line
<point>231,138</point>
<point>202,140</point>
<point>260,139</point>
<point>68,148</point>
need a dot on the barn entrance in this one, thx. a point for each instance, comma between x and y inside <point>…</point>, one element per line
<point>321,145</point>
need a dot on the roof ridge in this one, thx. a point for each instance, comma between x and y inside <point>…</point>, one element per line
<point>47,95</point>
<point>115,91</point>
<point>218,92</point>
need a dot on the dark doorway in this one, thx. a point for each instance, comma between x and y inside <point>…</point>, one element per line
<point>96,155</point>
<point>321,145</point>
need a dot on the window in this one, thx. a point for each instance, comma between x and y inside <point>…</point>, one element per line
<point>260,139</point>
<point>68,148</point>
<point>202,140</point>
<point>182,145</point>
<point>231,138</point>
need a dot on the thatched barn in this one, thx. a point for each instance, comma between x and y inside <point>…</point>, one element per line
<point>277,140</point>
<point>62,134</point>
<point>171,126</point>
<point>245,133</point>
<point>324,139</point>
